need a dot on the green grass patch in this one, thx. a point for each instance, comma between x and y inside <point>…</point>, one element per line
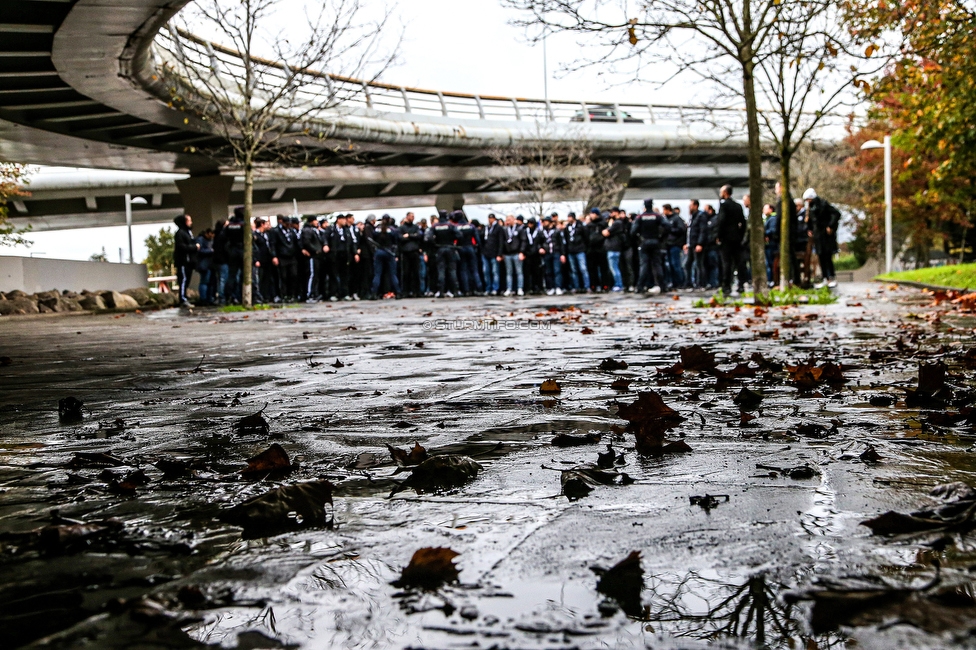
<point>792,296</point>
<point>957,276</point>
<point>846,262</point>
<point>230,309</point>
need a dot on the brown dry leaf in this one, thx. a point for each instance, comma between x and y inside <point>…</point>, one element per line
<point>273,460</point>
<point>286,508</point>
<point>402,458</point>
<point>253,424</point>
<point>440,473</point>
<point>570,440</point>
<point>621,384</point>
<point>586,330</point>
<point>429,568</point>
<point>610,364</point>
<point>672,371</point>
<point>623,582</point>
<point>649,407</point>
<point>550,386</point>
<point>694,357</point>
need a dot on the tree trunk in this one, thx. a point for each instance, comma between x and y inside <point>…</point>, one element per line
<point>756,233</point>
<point>246,281</point>
<point>786,224</point>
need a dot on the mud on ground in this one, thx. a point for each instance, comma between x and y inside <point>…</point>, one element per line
<point>115,533</point>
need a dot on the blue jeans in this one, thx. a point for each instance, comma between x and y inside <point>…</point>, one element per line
<point>677,268</point>
<point>468,269</point>
<point>577,271</point>
<point>385,262</point>
<point>423,275</point>
<point>205,273</point>
<point>613,258</point>
<point>491,269</point>
<point>554,272</point>
<point>713,266</point>
<point>223,271</point>
<point>771,254</point>
<point>513,273</point>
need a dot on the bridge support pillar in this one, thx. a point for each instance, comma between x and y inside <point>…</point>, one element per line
<point>206,199</point>
<point>449,202</point>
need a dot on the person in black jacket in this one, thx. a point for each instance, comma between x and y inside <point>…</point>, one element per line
<point>771,237</point>
<point>576,242</point>
<point>674,245</point>
<point>385,240</point>
<point>615,242</point>
<point>219,280</point>
<point>731,233</point>
<point>345,249</point>
<point>650,228</point>
<point>824,219</point>
<point>467,254</point>
<point>285,243</point>
<point>533,243</point>
<point>311,247</point>
<point>264,262</point>
<point>444,237</point>
<point>511,251</point>
<point>234,251</point>
<point>695,246</point>
<point>411,240</point>
<point>185,249</point>
<point>491,256</point>
<point>555,256</point>
<point>596,254</point>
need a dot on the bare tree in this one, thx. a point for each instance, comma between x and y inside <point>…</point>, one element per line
<point>543,173</point>
<point>272,109</point>
<point>720,40</point>
<point>804,81</point>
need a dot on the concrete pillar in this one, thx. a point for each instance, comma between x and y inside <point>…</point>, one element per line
<point>622,175</point>
<point>206,199</point>
<point>449,202</point>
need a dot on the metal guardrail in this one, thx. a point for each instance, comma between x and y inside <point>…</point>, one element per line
<point>376,98</point>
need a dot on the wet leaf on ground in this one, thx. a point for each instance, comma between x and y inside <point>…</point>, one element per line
<point>70,409</point>
<point>440,473</point>
<point>94,459</point>
<point>403,458</point>
<point>709,501</point>
<point>955,514</point>
<point>429,568</point>
<point>253,424</point>
<point>672,371</point>
<point>620,383</point>
<point>579,481</point>
<point>623,582</point>
<point>173,468</point>
<point>292,507</point>
<point>273,461</point>
<point>807,376</point>
<point>881,400</point>
<point>747,400</point>
<point>696,358</point>
<point>338,364</point>
<point>610,364</point>
<point>607,459</point>
<point>550,386</point>
<point>573,440</point>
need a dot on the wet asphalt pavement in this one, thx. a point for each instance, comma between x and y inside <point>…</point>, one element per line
<point>337,381</point>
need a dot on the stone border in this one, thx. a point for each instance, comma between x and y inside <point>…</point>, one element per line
<point>922,285</point>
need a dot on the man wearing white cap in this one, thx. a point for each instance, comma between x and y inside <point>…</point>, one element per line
<point>822,226</point>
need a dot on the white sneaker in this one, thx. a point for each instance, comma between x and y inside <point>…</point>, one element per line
<point>654,291</point>
<point>521,293</point>
<point>819,285</point>
<point>437,295</point>
<point>347,298</point>
<point>559,292</point>
<point>508,292</point>
<point>448,294</point>
<point>332,298</point>
<point>735,293</point>
<point>355,296</point>
<point>832,284</point>
<point>551,292</point>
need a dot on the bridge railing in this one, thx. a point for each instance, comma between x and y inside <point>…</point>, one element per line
<point>175,47</point>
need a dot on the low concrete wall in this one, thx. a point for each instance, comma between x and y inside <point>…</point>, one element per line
<point>33,274</point>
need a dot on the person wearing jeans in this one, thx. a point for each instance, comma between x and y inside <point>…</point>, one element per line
<point>491,243</point>
<point>615,241</point>
<point>512,253</point>
<point>574,237</point>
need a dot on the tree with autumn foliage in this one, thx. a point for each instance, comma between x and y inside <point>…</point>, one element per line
<point>12,179</point>
<point>926,101</point>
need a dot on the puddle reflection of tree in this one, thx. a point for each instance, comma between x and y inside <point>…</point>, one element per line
<point>706,608</point>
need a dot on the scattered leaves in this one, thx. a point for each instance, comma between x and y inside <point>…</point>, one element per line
<point>429,568</point>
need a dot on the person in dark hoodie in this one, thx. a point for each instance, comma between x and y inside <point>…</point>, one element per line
<point>650,228</point>
<point>384,242</point>
<point>185,249</point>
<point>731,235</point>
<point>410,244</point>
<point>444,237</point>
<point>491,254</point>
<point>468,274</point>
<point>695,246</point>
<point>615,241</point>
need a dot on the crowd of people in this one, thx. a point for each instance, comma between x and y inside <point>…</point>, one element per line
<point>604,251</point>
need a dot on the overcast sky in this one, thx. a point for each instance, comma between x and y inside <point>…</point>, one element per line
<point>460,45</point>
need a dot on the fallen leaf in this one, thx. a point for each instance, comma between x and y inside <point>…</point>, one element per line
<point>607,459</point>
<point>70,409</point>
<point>550,386</point>
<point>956,514</point>
<point>404,458</point>
<point>338,364</point>
<point>621,383</point>
<point>440,473</point>
<point>429,568</point>
<point>580,481</point>
<point>709,501</point>
<point>570,440</point>
<point>747,400</point>
<point>672,371</point>
<point>696,358</point>
<point>609,364</point>
<point>94,459</point>
<point>623,582</point>
<point>254,423</point>
<point>273,461</point>
<point>298,506</point>
<point>586,330</point>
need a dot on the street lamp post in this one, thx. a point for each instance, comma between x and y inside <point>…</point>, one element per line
<point>874,144</point>
<point>129,202</point>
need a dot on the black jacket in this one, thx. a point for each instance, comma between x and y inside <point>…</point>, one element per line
<point>822,216</point>
<point>512,240</point>
<point>532,241</point>
<point>184,247</point>
<point>410,237</point>
<point>575,236</point>
<point>343,241</point>
<point>442,234</point>
<point>711,230</point>
<point>594,235</point>
<point>467,234</point>
<point>617,241</point>
<point>649,229</point>
<point>677,231</point>
<point>234,242</point>
<point>386,239</point>
<point>310,240</point>
<point>266,251</point>
<point>731,223</point>
<point>494,237</point>
<point>284,241</point>
<point>698,229</point>
<point>553,242</point>
<point>771,231</point>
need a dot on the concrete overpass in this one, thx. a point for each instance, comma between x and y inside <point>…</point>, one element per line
<point>79,86</point>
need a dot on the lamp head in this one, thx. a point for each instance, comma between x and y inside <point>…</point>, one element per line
<point>871,144</point>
